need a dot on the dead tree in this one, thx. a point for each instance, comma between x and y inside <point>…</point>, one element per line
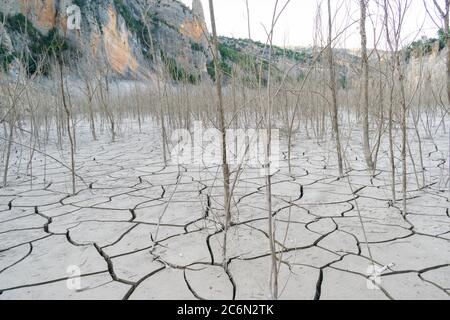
<point>103,79</point>
<point>11,122</point>
<point>68,118</point>
<point>365,87</point>
<point>271,227</point>
<point>222,128</point>
<point>159,79</point>
<point>334,102</point>
<point>444,13</point>
<point>394,18</point>
<point>445,16</point>
<point>89,88</point>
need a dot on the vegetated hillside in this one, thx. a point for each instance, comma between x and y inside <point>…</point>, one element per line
<point>118,34</point>
<point>251,59</point>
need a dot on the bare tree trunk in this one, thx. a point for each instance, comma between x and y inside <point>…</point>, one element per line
<point>159,75</point>
<point>447,35</point>
<point>90,96</point>
<point>271,226</point>
<point>446,17</point>
<point>334,93</point>
<point>92,120</point>
<point>404,131</point>
<point>225,167</point>
<point>391,135</point>
<point>68,121</point>
<point>391,100</point>
<point>393,38</point>
<point>104,97</point>
<point>8,149</point>
<point>365,82</point>
<point>381,113</point>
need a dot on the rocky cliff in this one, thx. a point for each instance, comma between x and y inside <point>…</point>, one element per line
<point>118,32</point>
<point>130,38</point>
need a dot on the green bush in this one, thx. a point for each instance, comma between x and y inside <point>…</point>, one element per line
<point>40,47</point>
<point>425,45</point>
<point>134,25</point>
<point>197,47</point>
<point>176,72</point>
<point>6,58</point>
<point>441,36</point>
<point>225,68</point>
<point>80,3</point>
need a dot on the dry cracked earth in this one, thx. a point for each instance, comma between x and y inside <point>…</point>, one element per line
<point>139,230</point>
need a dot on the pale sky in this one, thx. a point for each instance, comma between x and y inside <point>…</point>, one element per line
<point>296,25</point>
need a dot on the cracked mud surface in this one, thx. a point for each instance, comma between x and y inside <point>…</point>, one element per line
<point>140,230</point>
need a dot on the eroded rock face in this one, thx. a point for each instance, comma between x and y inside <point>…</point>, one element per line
<point>181,33</point>
<point>197,9</point>
<point>195,28</point>
<point>110,30</point>
<point>44,12</point>
<point>117,47</point>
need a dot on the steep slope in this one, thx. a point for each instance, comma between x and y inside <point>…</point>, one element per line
<point>117,36</point>
<point>116,31</point>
